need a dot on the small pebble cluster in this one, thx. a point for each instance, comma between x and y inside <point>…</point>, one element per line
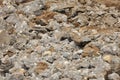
<point>59,39</point>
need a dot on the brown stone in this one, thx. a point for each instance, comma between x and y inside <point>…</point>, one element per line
<point>90,50</point>
<point>1,2</point>
<point>44,17</point>
<point>110,3</point>
<point>40,67</point>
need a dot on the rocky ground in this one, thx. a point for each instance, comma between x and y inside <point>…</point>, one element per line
<point>59,39</point>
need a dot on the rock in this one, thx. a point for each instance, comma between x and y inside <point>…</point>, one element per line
<point>60,18</point>
<point>30,6</point>
<point>107,58</point>
<point>65,79</point>
<point>75,56</point>
<point>1,78</point>
<point>113,76</point>
<point>56,76</point>
<point>6,66</point>
<point>44,18</point>
<point>17,71</point>
<point>66,55</point>
<point>1,2</point>
<point>50,59</point>
<point>46,53</point>
<point>108,19</point>
<point>53,25</point>
<point>110,49</point>
<point>16,77</point>
<point>90,50</point>
<point>5,38</point>
<point>20,1</point>
<point>110,3</point>
<point>40,67</point>
<point>59,39</point>
<point>79,52</point>
<point>115,63</point>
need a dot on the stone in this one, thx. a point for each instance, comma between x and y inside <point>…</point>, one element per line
<point>65,79</point>
<point>46,53</point>
<point>107,58</point>
<point>5,38</point>
<point>66,55</point>
<point>56,76</point>
<point>16,77</point>
<point>110,3</point>
<point>109,20</point>
<point>75,56</point>
<point>19,1</point>
<point>61,17</point>
<point>40,67</point>
<point>110,49</point>
<point>113,76</point>
<point>90,50</point>
<point>17,71</point>
<point>50,59</point>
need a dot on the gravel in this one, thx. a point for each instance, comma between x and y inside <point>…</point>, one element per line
<point>59,40</point>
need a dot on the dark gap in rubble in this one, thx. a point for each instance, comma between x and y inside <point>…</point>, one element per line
<point>49,30</point>
<point>75,14</point>
<point>62,11</point>
<point>31,30</point>
<point>44,7</point>
<point>91,66</point>
<point>42,23</point>
<point>6,17</point>
<point>25,67</point>
<point>3,73</point>
<point>64,38</point>
<point>82,44</point>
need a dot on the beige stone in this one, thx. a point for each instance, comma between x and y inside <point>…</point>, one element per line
<point>115,3</point>
<point>107,58</point>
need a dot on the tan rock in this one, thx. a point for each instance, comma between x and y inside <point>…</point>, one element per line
<point>115,3</point>
<point>40,67</point>
<point>4,37</point>
<point>90,50</point>
<point>107,58</point>
<point>75,36</point>
<point>17,70</point>
<point>46,53</point>
<point>44,17</point>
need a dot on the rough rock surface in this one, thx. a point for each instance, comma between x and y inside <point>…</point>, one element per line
<point>59,40</point>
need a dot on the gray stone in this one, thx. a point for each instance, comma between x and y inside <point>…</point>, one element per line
<point>113,76</point>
